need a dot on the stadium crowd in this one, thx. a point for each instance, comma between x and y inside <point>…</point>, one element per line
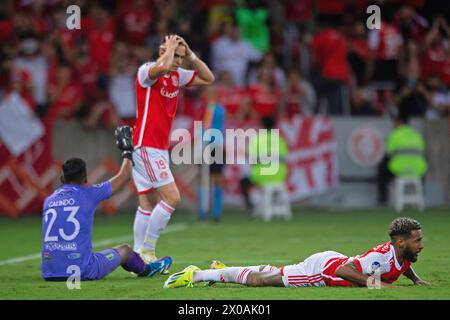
<point>270,58</point>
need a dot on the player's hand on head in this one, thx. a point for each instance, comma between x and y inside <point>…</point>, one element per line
<point>172,41</point>
<point>189,53</point>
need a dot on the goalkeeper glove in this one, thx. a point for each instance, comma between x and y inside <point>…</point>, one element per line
<point>124,141</point>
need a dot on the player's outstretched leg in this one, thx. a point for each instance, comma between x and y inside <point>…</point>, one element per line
<point>192,274</point>
<point>132,262</point>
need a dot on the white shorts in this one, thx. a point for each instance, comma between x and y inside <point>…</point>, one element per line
<point>309,272</point>
<point>151,169</point>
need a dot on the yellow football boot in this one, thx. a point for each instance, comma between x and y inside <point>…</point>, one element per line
<point>182,278</point>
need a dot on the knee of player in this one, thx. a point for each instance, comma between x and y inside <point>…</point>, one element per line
<point>173,199</point>
<point>255,279</point>
<point>124,251</point>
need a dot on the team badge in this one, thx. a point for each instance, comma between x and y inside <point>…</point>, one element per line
<point>175,81</point>
<point>163,175</point>
<point>374,267</point>
<point>109,256</point>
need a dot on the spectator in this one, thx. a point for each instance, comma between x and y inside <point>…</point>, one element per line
<point>268,62</point>
<point>439,98</point>
<point>300,96</point>
<point>385,47</point>
<point>434,52</point>
<point>412,98</point>
<point>101,35</point>
<point>252,20</point>
<point>361,103</point>
<point>264,96</point>
<point>411,25</point>
<point>135,21</point>
<point>233,98</point>
<point>121,86</point>
<point>33,61</point>
<point>358,52</point>
<point>65,96</point>
<point>329,56</point>
<point>231,53</point>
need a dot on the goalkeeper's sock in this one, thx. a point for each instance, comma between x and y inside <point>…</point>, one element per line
<point>140,227</point>
<point>157,223</point>
<point>136,264</point>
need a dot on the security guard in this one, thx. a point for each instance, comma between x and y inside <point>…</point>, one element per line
<point>405,156</point>
<point>270,173</point>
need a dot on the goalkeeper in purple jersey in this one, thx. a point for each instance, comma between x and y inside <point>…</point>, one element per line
<point>68,217</point>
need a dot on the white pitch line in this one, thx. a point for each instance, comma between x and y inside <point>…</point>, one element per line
<point>171,228</point>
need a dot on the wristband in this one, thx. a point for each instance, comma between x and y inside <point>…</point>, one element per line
<point>192,56</point>
<point>128,155</point>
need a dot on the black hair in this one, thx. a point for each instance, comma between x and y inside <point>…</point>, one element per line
<point>74,171</point>
<point>403,116</point>
<point>403,227</point>
<point>268,122</point>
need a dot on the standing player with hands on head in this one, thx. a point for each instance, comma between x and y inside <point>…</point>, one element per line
<point>68,218</point>
<point>157,87</point>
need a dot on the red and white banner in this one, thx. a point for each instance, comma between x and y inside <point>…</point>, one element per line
<point>312,159</point>
<point>27,169</point>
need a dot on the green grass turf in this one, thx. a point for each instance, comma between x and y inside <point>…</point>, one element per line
<point>236,240</point>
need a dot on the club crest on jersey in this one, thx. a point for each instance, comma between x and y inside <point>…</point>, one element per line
<point>175,81</point>
<point>375,266</point>
<point>163,175</point>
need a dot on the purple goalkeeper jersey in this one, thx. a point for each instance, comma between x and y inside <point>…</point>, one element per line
<point>67,221</point>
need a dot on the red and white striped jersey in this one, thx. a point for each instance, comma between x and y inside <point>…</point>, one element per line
<point>381,257</point>
<point>157,105</point>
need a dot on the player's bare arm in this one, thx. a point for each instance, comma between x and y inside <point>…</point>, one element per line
<point>165,61</point>
<point>411,274</point>
<point>349,271</point>
<point>204,74</point>
<point>122,177</point>
<point>124,141</point>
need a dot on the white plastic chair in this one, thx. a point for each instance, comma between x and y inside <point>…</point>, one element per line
<point>401,195</point>
<point>275,202</point>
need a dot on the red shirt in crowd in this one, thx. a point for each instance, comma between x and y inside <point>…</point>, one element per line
<point>231,99</point>
<point>433,60</point>
<point>69,97</point>
<point>330,54</point>
<point>387,42</point>
<point>263,102</point>
<point>136,25</point>
<point>101,43</point>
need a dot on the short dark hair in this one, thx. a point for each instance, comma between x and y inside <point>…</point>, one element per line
<point>163,39</point>
<point>403,227</point>
<point>268,122</point>
<point>74,171</point>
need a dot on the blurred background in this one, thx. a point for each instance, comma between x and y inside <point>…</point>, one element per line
<point>333,87</point>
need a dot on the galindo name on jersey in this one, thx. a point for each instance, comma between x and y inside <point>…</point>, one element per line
<point>167,94</point>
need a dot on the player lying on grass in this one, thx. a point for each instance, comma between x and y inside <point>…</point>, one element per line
<point>68,218</point>
<point>381,266</point>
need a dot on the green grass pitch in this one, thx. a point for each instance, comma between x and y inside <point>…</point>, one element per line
<point>236,240</point>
